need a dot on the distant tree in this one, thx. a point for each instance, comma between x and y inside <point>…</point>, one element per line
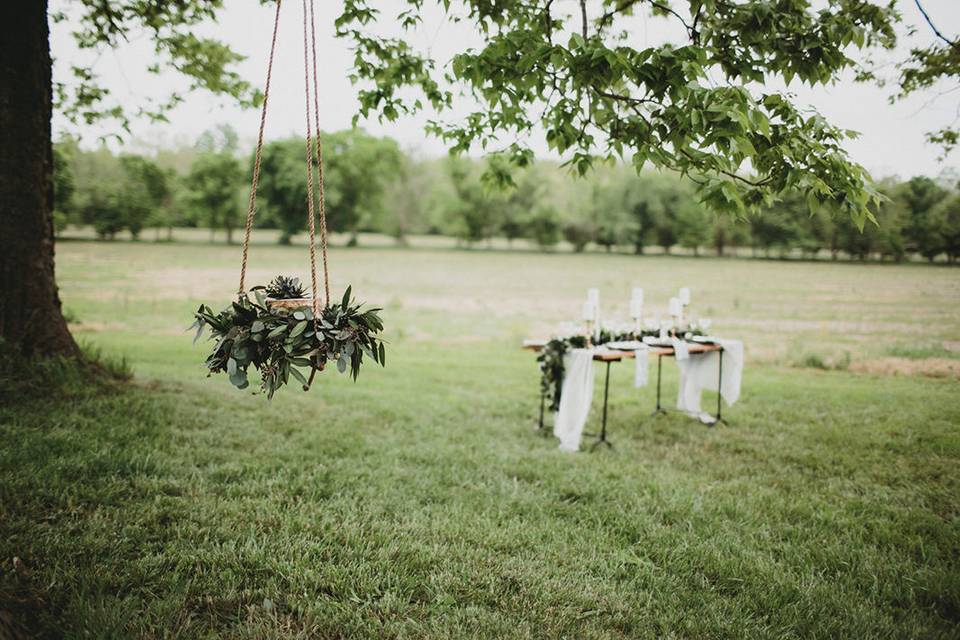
<point>282,192</point>
<point>63,185</point>
<point>948,213</point>
<point>545,227</point>
<point>921,196</point>
<point>610,214</point>
<point>215,185</point>
<point>693,225</point>
<point>888,233</point>
<point>853,242</point>
<point>579,233</point>
<point>520,202</point>
<point>772,229</point>
<point>474,208</point>
<point>99,179</point>
<point>406,200</point>
<point>639,211</point>
<point>145,193</point>
<point>727,233</point>
<point>358,167</point>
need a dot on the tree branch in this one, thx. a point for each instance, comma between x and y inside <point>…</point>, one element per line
<point>583,18</point>
<point>952,43</point>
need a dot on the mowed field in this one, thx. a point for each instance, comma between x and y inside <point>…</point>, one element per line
<point>419,502</point>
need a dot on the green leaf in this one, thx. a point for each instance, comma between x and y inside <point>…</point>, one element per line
<point>299,328</point>
<point>299,376</point>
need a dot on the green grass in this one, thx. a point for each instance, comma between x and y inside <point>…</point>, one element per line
<point>419,503</point>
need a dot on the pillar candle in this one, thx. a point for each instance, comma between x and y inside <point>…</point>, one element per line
<point>675,307</point>
<point>637,295</point>
<point>636,308</point>
<point>684,296</point>
<point>589,313</point>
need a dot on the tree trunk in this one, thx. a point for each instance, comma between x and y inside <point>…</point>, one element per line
<point>31,320</point>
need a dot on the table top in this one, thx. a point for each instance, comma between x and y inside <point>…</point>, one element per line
<point>616,355</point>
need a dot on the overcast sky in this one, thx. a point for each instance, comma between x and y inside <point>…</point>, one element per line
<point>891,142</point>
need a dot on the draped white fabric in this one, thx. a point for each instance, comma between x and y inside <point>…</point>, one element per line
<point>681,350</point>
<point>641,367</point>
<point>576,394</point>
<point>701,371</point>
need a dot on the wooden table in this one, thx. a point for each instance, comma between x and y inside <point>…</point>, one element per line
<point>609,356</point>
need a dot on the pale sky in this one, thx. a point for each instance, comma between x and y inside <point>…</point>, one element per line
<point>891,143</point>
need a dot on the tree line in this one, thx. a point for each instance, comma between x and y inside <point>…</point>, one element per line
<point>373,185</point>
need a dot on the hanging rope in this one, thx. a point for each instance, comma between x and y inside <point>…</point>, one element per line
<point>319,160</point>
<point>252,203</point>
<point>310,190</point>
<point>314,156</point>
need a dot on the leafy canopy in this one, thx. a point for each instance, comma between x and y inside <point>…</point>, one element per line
<point>575,69</point>
<point>208,62</point>
<point>693,105</point>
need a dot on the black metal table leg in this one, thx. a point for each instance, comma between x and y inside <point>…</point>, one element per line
<point>719,394</point>
<point>603,423</point>
<point>659,409</point>
<point>543,397</point>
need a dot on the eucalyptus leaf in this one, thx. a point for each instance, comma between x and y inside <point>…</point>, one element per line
<point>299,328</point>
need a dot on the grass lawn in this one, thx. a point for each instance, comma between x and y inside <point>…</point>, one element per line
<point>419,503</point>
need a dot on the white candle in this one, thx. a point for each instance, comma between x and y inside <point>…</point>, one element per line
<point>596,322</point>
<point>593,295</point>
<point>684,296</point>
<point>637,295</point>
<point>675,307</point>
<point>589,313</point>
<point>636,308</point>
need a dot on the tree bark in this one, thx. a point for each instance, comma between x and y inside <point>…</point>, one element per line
<point>31,320</point>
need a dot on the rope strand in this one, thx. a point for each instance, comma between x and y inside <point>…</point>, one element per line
<point>310,189</point>
<point>319,159</point>
<point>252,203</point>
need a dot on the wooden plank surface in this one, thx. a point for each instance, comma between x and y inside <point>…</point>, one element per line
<point>613,355</point>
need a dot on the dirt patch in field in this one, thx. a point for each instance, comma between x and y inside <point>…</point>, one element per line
<point>929,367</point>
<point>97,327</point>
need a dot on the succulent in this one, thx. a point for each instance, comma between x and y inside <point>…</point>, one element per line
<point>285,288</point>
